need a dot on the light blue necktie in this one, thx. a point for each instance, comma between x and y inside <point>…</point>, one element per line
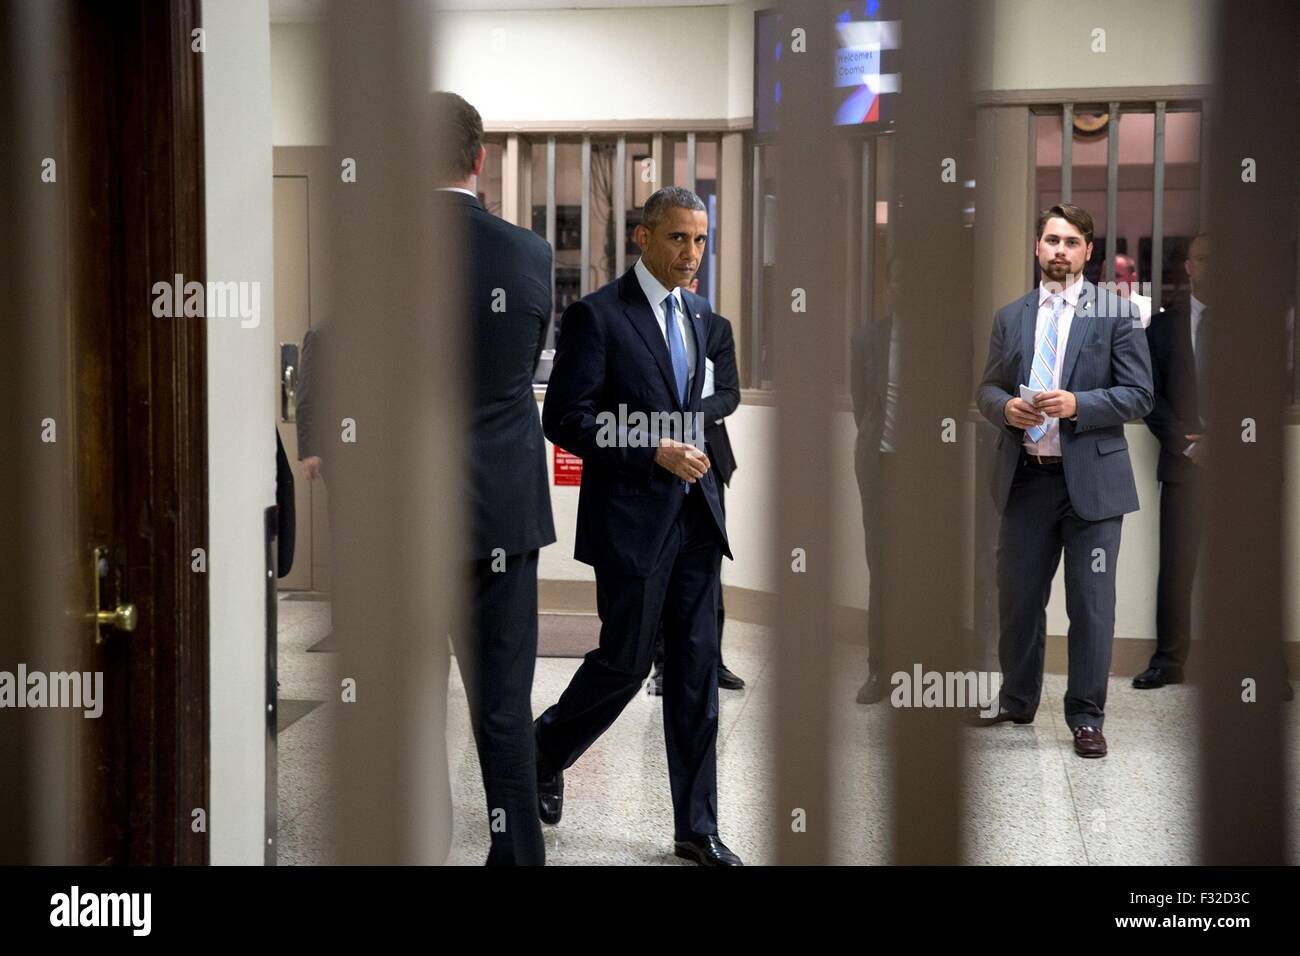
<point>677,350</point>
<point>1043,374</point>
<point>677,354</point>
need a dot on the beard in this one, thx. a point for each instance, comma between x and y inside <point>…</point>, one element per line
<point>1055,271</point>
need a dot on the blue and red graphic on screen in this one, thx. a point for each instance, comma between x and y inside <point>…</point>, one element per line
<point>868,38</point>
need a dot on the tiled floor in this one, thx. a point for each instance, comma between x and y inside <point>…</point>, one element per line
<point>1030,798</point>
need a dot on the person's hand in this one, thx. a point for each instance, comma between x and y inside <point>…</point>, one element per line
<point>310,467</point>
<point>1196,450</point>
<point>685,461</point>
<point>1020,414</point>
<point>1057,404</point>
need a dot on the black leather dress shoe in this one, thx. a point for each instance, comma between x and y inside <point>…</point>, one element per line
<point>1089,742</point>
<point>1154,677</point>
<point>727,680</point>
<point>873,691</point>
<point>1001,717</point>
<point>706,851</point>
<point>550,791</point>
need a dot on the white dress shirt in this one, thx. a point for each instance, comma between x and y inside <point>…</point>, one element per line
<point>1197,308</point>
<point>1143,304</point>
<point>1050,444</point>
<point>657,295</point>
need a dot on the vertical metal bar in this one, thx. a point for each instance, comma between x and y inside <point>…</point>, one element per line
<point>1206,122</point>
<point>690,161</point>
<point>550,221</point>
<point>391,257</point>
<point>512,174</point>
<point>620,205</point>
<point>657,178</point>
<point>1157,211</point>
<point>1246,803</point>
<point>1112,191</point>
<point>866,311</point>
<point>803,345</point>
<point>922,607</point>
<point>756,275</point>
<point>1067,151</point>
<point>584,276</point>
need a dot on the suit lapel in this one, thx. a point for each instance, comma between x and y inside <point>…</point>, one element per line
<point>1084,312</point>
<point>643,319</point>
<point>1028,323</point>
<point>701,350</point>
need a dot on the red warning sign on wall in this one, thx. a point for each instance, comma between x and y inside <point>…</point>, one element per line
<point>568,468</point>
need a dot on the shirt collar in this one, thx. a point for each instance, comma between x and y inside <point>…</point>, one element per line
<point>1070,292</point>
<point>1197,307</point>
<point>655,293</point>
<point>456,189</point>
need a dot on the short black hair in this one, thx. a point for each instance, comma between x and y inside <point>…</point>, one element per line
<point>670,197</point>
<point>458,136</point>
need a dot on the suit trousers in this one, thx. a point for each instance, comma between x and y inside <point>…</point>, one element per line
<point>496,659</point>
<point>722,610</point>
<point>871,491</point>
<point>682,591</point>
<point>1181,525</point>
<point>1037,523</point>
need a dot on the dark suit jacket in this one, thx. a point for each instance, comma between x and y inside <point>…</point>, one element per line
<point>611,354</point>
<point>286,526</point>
<point>721,351</point>
<point>868,382</point>
<point>1108,369</point>
<point>1173,372</point>
<point>307,409</point>
<point>508,268</point>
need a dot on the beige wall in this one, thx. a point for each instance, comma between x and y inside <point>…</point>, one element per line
<point>1038,45</point>
<point>241,420</point>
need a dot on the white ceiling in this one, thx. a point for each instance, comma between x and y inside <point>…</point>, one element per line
<point>294,11</point>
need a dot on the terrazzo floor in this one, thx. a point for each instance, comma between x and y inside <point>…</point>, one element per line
<point>1030,799</point>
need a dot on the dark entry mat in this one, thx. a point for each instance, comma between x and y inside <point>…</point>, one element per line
<point>567,635</point>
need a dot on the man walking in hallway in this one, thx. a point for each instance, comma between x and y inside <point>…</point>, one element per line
<point>649,519</point>
<point>1067,368</point>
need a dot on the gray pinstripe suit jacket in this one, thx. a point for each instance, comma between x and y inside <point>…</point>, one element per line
<point>1106,366</point>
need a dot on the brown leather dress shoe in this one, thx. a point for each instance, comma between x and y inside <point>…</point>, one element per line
<point>1089,742</point>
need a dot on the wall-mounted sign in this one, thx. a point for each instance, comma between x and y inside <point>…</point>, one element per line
<point>568,468</point>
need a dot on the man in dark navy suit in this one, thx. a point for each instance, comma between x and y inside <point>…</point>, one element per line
<point>507,301</point>
<point>1178,342</point>
<point>625,396</point>
<point>717,403</point>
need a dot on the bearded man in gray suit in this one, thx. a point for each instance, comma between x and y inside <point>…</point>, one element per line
<point>1062,478</point>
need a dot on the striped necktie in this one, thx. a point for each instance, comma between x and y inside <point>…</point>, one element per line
<point>1043,374</point>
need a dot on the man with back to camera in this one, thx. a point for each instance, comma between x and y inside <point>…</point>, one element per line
<point>1176,339</point>
<point>649,519</point>
<point>507,295</point>
<point>1062,476</point>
